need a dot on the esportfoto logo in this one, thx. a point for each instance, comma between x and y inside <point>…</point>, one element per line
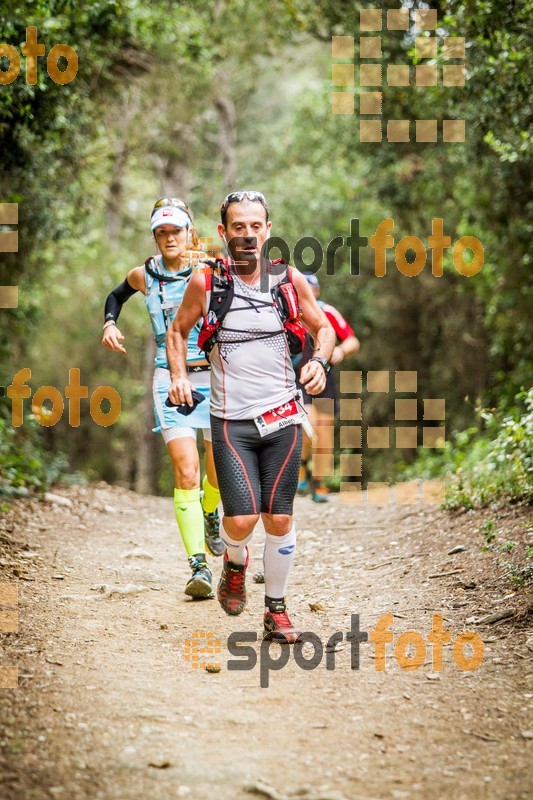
<point>410,649</point>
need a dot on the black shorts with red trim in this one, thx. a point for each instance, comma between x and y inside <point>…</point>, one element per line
<point>256,474</point>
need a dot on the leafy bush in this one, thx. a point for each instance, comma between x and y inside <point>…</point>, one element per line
<point>24,464</point>
<point>495,465</point>
<point>506,470</point>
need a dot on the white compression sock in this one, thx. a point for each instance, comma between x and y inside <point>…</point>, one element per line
<point>278,556</point>
<point>236,549</point>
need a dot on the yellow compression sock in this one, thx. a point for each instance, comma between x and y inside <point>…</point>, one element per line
<point>190,519</point>
<point>211,497</point>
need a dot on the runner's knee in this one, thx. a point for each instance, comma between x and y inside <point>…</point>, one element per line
<point>186,475</point>
<point>277,524</point>
<point>239,527</point>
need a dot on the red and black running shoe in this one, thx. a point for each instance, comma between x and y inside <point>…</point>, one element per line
<point>231,590</point>
<point>278,627</point>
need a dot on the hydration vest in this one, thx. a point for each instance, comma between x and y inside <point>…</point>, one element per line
<point>164,295</point>
<point>220,283</point>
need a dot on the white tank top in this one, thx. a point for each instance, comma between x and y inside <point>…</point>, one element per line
<point>251,367</point>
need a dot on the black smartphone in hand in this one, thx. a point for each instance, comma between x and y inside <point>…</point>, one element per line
<point>184,408</point>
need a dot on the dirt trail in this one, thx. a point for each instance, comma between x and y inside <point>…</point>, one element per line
<point>108,707</point>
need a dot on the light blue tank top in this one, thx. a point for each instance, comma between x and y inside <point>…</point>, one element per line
<point>162,300</point>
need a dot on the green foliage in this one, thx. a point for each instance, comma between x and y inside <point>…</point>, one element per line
<point>506,471</point>
<point>143,117</point>
<point>46,128</point>
<point>519,573</point>
<point>520,570</point>
<point>514,556</point>
<point>473,337</point>
<point>487,529</point>
<point>25,465</point>
<point>494,465</point>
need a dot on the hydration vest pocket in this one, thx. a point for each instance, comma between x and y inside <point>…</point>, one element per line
<point>296,333</point>
<point>206,337</point>
<point>286,298</point>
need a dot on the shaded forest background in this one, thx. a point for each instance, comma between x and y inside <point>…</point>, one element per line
<point>196,99</point>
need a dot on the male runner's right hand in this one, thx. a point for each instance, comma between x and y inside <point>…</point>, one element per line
<point>180,391</point>
<point>313,377</point>
<point>112,338</point>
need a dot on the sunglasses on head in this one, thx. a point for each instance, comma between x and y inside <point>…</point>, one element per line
<point>172,201</point>
<point>237,197</point>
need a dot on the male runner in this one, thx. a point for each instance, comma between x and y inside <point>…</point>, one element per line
<point>252,386</point>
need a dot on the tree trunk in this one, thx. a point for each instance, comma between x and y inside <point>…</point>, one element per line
<point>176,179</point>
<point>175,176</point>
<point>228,138</point>
<point>115,198</point>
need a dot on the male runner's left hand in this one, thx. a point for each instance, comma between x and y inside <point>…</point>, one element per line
<point>313,377</point>
<point>180,391</point>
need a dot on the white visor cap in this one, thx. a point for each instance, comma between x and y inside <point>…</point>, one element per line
<point>170,215</point>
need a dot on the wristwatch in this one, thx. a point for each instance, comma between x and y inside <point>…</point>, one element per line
<point>324,363</point>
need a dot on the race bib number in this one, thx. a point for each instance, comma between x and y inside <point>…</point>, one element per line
<point>277,418</point>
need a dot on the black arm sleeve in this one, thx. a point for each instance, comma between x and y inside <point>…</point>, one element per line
<point>116,300</point>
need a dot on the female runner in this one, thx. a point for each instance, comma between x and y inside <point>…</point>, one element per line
<point>162,280</point>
